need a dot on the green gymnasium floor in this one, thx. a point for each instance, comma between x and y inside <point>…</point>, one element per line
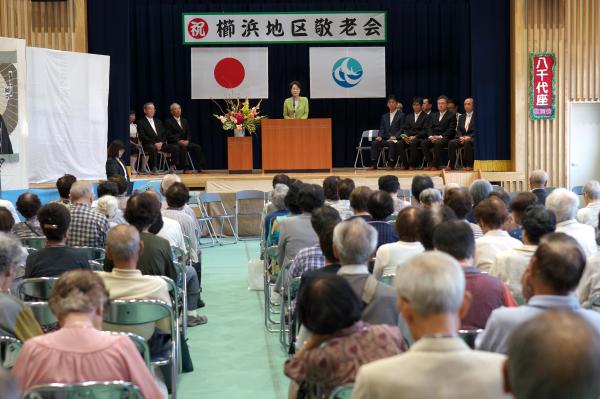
<point>233,355</point>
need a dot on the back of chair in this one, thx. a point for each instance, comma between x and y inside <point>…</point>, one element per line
<point>96,254</point>
<point>207,198</point>
<point>9,349</point>
<point>343,392</point>
<point>136,312</point>
<point>91,390</point>
<point>250,195</point>
<point>42,313</point>
<point>139,342</point>
<point>38,288</point>
<point>578,190</point>
<point>366,134</point>
<point>469,336</point>
<point>34,242</point>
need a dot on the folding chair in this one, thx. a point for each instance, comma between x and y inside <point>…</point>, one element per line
<point>140,344</point>
<point>204,221</point>
<point>34,242</point>
<point>387,279</point>
<point>136,312</point>
<point>91,389</point>
<point>163,162</point>
<point>270,308</point>
<point>246,196</point>
<point>369,135</point>
<point>44,316</point>
<point>286,325</point>
<point>469,336</point>
<point>182,292</point>
<point>9,349</point>
<point>578,190</point>
<point>342,392</point>
<point>143,158</point>
<point>208,199</point>
<point>38,288</point>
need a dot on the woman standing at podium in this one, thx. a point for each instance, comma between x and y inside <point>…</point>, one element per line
<point>295,107</point>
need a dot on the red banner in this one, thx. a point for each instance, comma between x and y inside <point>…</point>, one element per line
<point>542,89</point>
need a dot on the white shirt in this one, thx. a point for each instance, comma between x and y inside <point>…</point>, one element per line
<point>133,130</point>
<point>584,234</point>
<point>178,121</point>
<point>417,116</point>
<point>589,214</point>
<point>11,208</point>
<point>343,208</point>
<point>171,231</point>
<point>510,265</point>
<point>353,270</point>
<point>390,256</point>
<point>589,286</point>
<point>151,121</point>
<point>442,115</point>
<point>392,115</point>
<point>468,120</point>
<point>491,244</point>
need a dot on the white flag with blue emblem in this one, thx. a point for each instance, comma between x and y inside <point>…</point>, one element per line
<point>347,72</point>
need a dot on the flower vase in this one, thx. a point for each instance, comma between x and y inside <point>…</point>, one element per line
<point>239,133</point>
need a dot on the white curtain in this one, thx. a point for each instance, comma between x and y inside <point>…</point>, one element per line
<point>67,101</point>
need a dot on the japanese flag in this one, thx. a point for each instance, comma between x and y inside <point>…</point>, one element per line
<point>230,73</point>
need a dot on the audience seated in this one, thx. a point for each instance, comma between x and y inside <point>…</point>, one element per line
<point>459,200</point>
<point>480,189</point>
<point>123,188</point>
<point>312,258</point>
<point>391,185</point>
<point>330,189</point>
<point>537,184</point>
<point>390,256</point>
<point>517,207</point>
<point>381,206</point>
<point>291,204</point>
<point>509,265</point>
<point>167,182</point>
<point>428,221</point>
<point>554,355</point>
<point>359,200</point>
<point>177,196</point>
<point>88,227</point>
<point>28,205</point>
<point>354,241</point>
<point>432,300</point>
<point>564,204</point>
<point>278,205</point>
<point>57,257</point>
<point>16,319</point>
<point>419,184</point>
<point>166,228</point>
<point>342,205</point>
<point>79,351</point>
<point>108,206</point>
<point>487,292</point>
<point>329,308</point>
<point>430,197</point>
<point>491,215</point>
<point>7,222</point>
<point>277,180</point>
<point>591,198</point>
<point>548,281</point>
<point>63,185</point>
<point>332,263</point>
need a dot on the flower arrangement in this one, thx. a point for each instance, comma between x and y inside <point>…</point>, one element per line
<point>240,116</point>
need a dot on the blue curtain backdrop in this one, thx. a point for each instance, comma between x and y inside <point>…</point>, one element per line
<point>455,47</point>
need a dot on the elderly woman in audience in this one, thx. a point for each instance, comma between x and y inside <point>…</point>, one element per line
<point>167,228</point>
<point>591,198</point>
<point>56,258</point>
<point>278,205</point>
<point>359,200</point>
<point>109,207</point>
<point>330,189</point>
<point>491,214</point>
<point>564,204</point>
<point>419,184</point>
<point>340,343</point>
<point>291,204</point>
<point>390,256</point>
<point>480,189</point>
<point>79,351</point>
<point>429,219</point>
<point>509,265</point>
<point>391,185</point>
<point>269,206</point>
<point>123,186</point>
<point>429,197</point>
<point>28,205</point>
<point>7,222</point>
<point>381,206</point>
<point>459,200</point>
<point>342,205</point>
<point>16,319</point>
<point>517,207</point>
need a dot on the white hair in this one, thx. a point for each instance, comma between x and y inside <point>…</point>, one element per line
<point>479,190</point>
<point>174,105</point>
<point>354,241</point>
<point>80,189</point>
<point>592,190</point>
<point>123,242</point>
<point>278,196</point>
<point>168,181</point>
<point>432,283</point>
<point>564,203</point>
<point>108,206</point>
<point>430,196</point>
<point>538,177</point>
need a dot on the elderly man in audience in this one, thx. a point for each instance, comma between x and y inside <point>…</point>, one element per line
<point>548,282</point>
<point>517,207</point>
<point>296,232</point>
<point>432,300</point>
<point>359,200</point>
<point>123,186</point>
<point>63,185</point>
<point>28,205</point>
<point>381,207</point>
<point>537,184</point>
<point>509,265</point>
<point>564,204</point>
<point>88,227</point>
<point>79,352</point>
<point>16,319</point>
<point>57,257</point>
<point>554,355</point>
<point>391,185</point>
<point>429,219</point>
<point>491,215</point>
<point>487,292</point>
<point>342,205</point>
<point>390,256</point>
<point>167,182</point>
<point>330,308</point>
<point>430,197</point>
<point>419,184</point>
<point>591,197</point>
<point>312,258</point>
<point>459,200</point>
<point>354,241</point>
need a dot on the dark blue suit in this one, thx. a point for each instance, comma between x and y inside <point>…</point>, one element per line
<point>386,131</point>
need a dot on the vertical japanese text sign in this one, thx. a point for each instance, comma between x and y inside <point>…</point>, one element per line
<point>542,86</point>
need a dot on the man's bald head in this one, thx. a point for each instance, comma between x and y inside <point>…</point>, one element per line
<point>555,355</point>
<point>168,181</point>
<point>123,244</point>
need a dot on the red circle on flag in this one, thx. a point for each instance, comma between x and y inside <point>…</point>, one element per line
<point>229,73</point>
<point>197,28</point>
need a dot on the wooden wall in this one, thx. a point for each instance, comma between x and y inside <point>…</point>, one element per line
<point>60,25</point>
<point>571,29</point>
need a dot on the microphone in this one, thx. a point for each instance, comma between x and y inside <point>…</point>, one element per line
<point>294,106</point>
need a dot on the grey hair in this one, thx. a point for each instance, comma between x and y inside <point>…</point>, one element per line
<point>81,189</point>
<point>77,291</point>
<point>554,355</point>
<point>11,252</point>
<point>149,103</point>
<point>479,190</point>
<point>123,242</point>
<point>430,196</point>
<point>174,105</point>
<point>278,195</point>
<point>108,206</point>
<point>564,203</point>
<point>592,189</point>
<point>168,181</point>
<point>354,241</point>
<point>432,283</point>
<point>538,177</point>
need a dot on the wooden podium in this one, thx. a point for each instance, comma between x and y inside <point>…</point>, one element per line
<point>239,154</point>
<point>296,145</point>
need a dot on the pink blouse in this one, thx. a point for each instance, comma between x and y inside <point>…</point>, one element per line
<point>337,361</point>
<point>74,355</point>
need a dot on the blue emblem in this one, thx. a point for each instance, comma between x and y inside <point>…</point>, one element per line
<point>347,72</point>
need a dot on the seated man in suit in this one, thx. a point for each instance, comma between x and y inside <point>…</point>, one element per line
<point>465,138</point>
<point>151,133</point>
<point>443,129</point>
<point>389,132</point>
<point>179,134</point>
<point>432,300</point>
<point>415,130</point>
